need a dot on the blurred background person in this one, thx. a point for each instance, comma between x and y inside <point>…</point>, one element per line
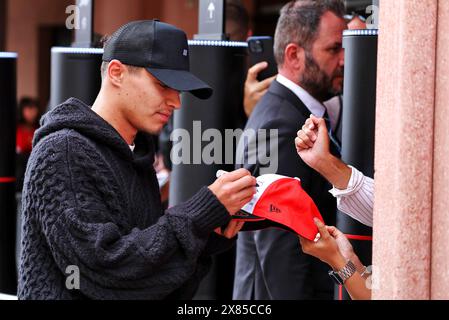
<point>238,29</point>
<point>27,123</point>
<point>237,25</point>
<point>28,117</point>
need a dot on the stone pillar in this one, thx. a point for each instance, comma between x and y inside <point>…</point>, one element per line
<point>404,149</point>
<point>440,216</point>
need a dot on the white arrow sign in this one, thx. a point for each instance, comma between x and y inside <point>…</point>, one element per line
<point>211,9</point>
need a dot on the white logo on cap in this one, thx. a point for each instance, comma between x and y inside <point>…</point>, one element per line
<point>185,53</point>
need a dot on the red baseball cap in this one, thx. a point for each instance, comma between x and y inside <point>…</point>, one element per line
<point>282,202</point>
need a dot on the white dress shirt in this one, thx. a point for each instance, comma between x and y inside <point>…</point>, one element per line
<point>358,198</point>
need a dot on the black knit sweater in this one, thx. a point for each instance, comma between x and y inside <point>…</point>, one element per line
<point>89,202</point>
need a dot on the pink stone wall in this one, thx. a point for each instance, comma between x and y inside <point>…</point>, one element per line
<point>440,217</point>
<point>404,149</point>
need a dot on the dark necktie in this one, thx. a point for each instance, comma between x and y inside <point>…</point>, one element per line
<point>334,144</point>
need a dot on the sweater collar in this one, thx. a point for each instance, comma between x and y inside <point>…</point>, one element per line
<point>76,115</point>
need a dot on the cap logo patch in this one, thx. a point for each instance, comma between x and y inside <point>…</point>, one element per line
<point>185,52</point>
<point>274,209</point>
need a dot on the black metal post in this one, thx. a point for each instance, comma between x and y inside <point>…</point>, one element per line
<point>8,93</point>
<point>359,115</point>
<point>75,71</point>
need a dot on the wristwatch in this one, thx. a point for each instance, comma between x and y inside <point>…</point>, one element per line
<point>340,276</point>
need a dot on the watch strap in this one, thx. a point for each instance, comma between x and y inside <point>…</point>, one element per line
<point>340,276</point>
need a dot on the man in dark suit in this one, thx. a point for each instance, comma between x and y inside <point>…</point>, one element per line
<point>308,50</point>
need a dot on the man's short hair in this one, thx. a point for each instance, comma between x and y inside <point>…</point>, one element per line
<point>299,22</point>
<point>105,64</point>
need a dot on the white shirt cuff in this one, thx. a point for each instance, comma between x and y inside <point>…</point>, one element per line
<point>354,184</point>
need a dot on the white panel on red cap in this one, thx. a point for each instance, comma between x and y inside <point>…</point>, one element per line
<point>263,183</point>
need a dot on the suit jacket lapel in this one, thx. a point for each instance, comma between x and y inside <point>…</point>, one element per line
<point>278,89</point>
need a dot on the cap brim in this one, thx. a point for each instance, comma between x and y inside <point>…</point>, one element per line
<point>183,81</point>
<point>243,215</point>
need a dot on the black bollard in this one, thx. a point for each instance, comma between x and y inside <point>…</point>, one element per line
<point>8,93</point>
<point>221,64</point>
<point>75,72</point>
<point>359,115</point>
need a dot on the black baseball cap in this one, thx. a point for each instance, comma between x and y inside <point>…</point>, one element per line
<point>161,49</point>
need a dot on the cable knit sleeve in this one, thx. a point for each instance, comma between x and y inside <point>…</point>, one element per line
<point>82,223</point>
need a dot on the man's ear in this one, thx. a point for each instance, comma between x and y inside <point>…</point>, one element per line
<point>116,72</point>
<point>295,57</point>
